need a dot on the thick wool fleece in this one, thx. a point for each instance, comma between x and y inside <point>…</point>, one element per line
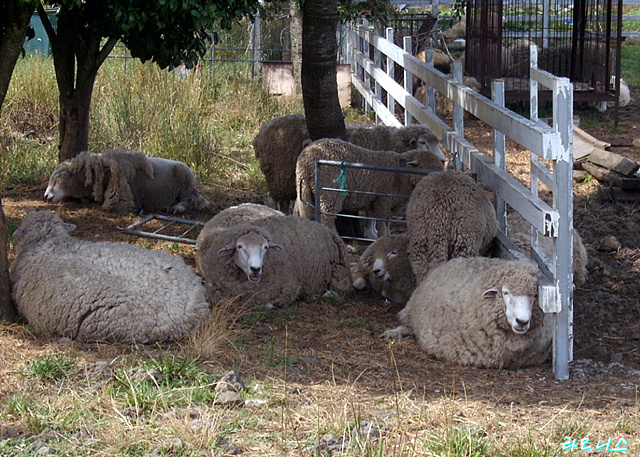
<point>400,282</point>
<point>102,291</point>
<point>126,181</point>
<point>454,322</point>
<point>358,179</point>
<point>448,216</point>
<point>313,260</point>
<point>281,140</point>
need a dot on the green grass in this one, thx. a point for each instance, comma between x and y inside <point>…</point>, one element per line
<point>51,368</point>
<point>163,382</point>
<point>206,119</point>
<point>630,66</point>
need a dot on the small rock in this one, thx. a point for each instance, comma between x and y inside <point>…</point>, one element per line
<point>230,382</point>
<point>229,399</point>
<point>65,341</point>
<point>609,244</point>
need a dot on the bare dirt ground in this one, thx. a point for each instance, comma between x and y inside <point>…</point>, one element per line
<point>341,363</point>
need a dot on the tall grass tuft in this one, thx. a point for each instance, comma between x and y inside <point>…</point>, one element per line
<point>28,124</point>
<point>205,118</point>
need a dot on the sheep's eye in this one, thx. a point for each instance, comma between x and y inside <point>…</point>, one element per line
<point>240,246</point>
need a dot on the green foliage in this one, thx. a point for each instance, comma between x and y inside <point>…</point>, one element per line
<point>630,66</point>
<point>457,442</point>
<point>164,382</point>
<point>571,429</point>
<point>372,10</point>
<point>51,368</point>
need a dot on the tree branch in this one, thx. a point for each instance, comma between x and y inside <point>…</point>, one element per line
<point>106,50</point>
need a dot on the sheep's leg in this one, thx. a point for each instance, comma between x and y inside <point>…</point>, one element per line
<point>385,228</point>
<point>397,333</point>
<point>370,230</point>
<point>330,205</point>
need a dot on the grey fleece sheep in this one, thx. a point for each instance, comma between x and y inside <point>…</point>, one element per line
<point>480,312</point>
<point>101,291</point>
<point>281,140</point>
<point>384,266</point>
<point>519,230</point>
<point>358,179</point>
<point>275,260</point>
<point>448,216</point>
<point>126,181</point>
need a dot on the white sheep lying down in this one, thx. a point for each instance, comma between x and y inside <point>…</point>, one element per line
<point>101,291</point>
<point>126,181</point>
<point>281,140</point>
<point>480,312</point>
<point>384,266</point>
<point>381,206</point>
<point>275,260</point>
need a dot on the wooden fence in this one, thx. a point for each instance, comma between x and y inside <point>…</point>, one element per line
<point>375,61</point>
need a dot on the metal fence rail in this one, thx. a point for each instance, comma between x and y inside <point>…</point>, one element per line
<point>319,189</point>
<point>380,93</point>
<point>192,229</point>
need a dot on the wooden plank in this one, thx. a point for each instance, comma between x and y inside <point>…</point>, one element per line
<point>584,137</point>
<point>611,177</point>
<point>613,161</point>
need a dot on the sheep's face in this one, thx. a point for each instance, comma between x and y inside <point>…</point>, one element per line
<point>64,183</point>
<point>380,266</point>
<point>428,143</point>
<point>518,308</point>
<point>249,254</point>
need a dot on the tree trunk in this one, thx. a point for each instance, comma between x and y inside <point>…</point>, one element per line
<point>319,84</point>
<point>15,23</point>
<point>7,311</point>
<point>77,56</point>
<point>295,30</point>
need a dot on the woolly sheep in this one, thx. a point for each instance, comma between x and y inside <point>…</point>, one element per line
<point>519,230</point>
<point>275,260</point>
<point>480,312</point>
<point>101,291</point>
<point>358,179</point>
<point>126,181</point>
<point>448,216</point>
<point>281,140</point>
<point>384,266</point>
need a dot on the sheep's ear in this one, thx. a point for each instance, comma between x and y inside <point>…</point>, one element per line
<point>68,227</point>
<point>274,248</point>
<point>227,250</point>
<point>490,292</point>
<point>412,143</point>
<point>412,163</point>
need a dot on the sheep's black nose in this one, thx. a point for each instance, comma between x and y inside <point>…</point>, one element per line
<point>255,270</point>
<point>522,323</point>
<point>376,272</point>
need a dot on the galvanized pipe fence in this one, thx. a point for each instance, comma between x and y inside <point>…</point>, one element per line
<point>373,60</point>
<point>319,189</point>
